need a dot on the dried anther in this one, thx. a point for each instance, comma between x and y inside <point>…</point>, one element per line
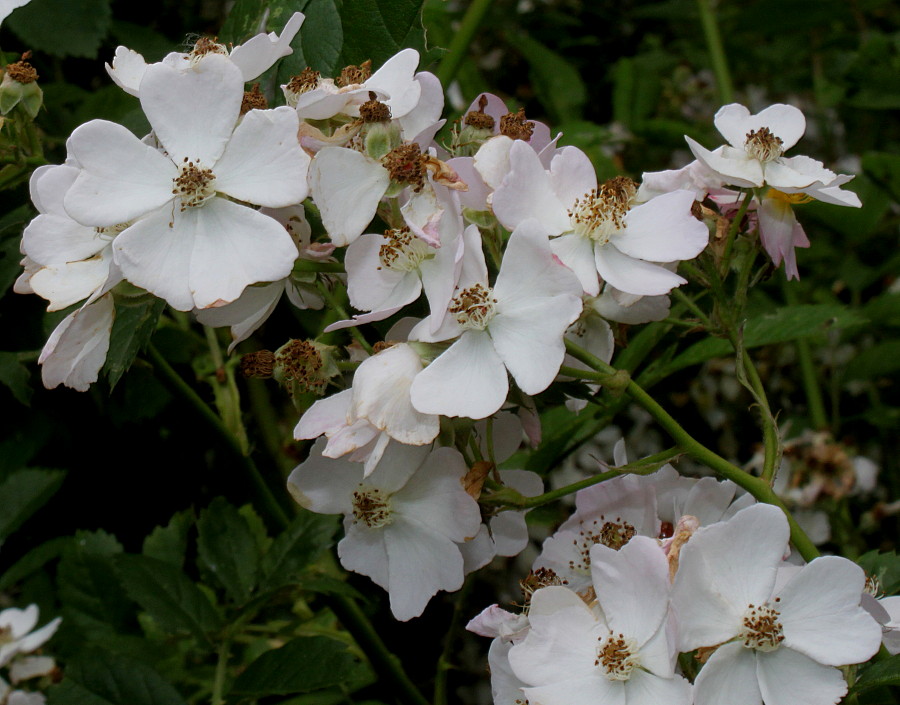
<point>351,75</point>
<point>306,81</point>
<point>21,71</point>
<point>373,111</point>
<point>763,145</point>
<point>406,165</point>
<point>253,100</point>
<point>258,365</point>
<point>478,118</point>
<point>515,126</point>
<point>300,365</point>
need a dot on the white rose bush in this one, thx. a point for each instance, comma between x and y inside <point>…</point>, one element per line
<point>371,365</point>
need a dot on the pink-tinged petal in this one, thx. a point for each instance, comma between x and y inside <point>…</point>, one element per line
<point>527,192</point>
<point>468,379</point>
<point>634,276</point>
<point>193,112</point>
<point>647,689</point>
<point>121,178</point>
<point>493,622</point>
<point>822,617</point>
<point>434,499</point>
<point>57,240</point>
<point>729,676</point>
<point>723,569</point>
<point>420,564</point>
<point>422,214</point>
<point>663,229</point>
<point>495,107</point>
<point>572,174</point>
<point>76,350</point>
<point>632,586</point>
<point>258,53</point>
<point>381,395</point>
<point>738,170</point>
<point>325,485</point>
<point>787,677</point>
<point>127,70</point>
<point>263,163</point>
<point>577,253</point>
<point>396,79</point>
<point>475,198</point>
<point>347,187</point>
<point>235,246</point>
<point>561,645</point>
<point>776,228</point>
<point>363,550</point>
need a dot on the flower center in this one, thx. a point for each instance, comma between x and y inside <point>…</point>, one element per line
<point>406,165</point>
<point>537,579</point>
<point>204,46</point>
<point>516,126</point>
<point>308,80</point>
<point>403,251</point>
<point>762,630</point>
<point>354,75</point>
<point>600,213</point>
<point>612,534</point>
<point>763,145</point>
<point>372,506</point>
<point>474,307</point>
<point>194,185</point>
<point>617,657</point>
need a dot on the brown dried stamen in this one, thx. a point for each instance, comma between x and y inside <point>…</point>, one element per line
<point>258,365</point>
<point>403,251</point>
<point>515,126</point>
<point>207,45</point>
<point>763,145</point>
<point>612,534</point>
<point>762,629</point>
<point>406,165</point>
<point>306,81</point>
<point>373,111</point>
<point>473,307</point>
<point>253,100</point>
<point>601,213</point>
<point>616,657</point>
<point>301,363</point>
<point>538,578</point>
<point>194,185</point>
<point>21,71</point>
<point>372,507</point>
<point>352,75</point>
<point>478,118</point>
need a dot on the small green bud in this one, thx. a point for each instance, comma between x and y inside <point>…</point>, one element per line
<point>19,87</point>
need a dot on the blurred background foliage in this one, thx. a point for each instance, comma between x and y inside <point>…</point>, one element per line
<point>623,80</point>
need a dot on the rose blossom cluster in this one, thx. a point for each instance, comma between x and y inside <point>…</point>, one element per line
<point>610,605</point>
<point>18,641</point>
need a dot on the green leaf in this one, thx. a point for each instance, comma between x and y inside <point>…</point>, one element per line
<point>90,592</point>
<point>16,376</point>
<point>168,595</point>
<point>637,86</point>
<point>243,21</point>
<point>327,585</point>
<point>320,41</point>
<point>299,545</point>
<point>880,360</point>
<point>104,678</point>
<point>11,226</point>
<point>33,561</point>
<point>556,81</point>
<point>787,323</point>
<point>885,567</point>
<point>23,493</point>
<point>136,319</point>
<point>169,543</point>
<point>228,549</point>
<point>886,672</point>
<point>300,666</point>
<point>62,27</point>
<point>378,29</point>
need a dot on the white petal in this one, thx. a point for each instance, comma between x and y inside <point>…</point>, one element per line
<point>258,53</point>
<point>787,677</point>
<point>53,239</point>
<point>121,178</point>
<point>737,169</point>
<point>325,416</point>
<point>429,108</point>
<point>66,284</point>
<point>48,186</point>
<point>822,617</point>
<point>527,192</point>
<point>127,70</point>
<point>468,379</point>
<point>246,314</point>
<point>729,676</point>
<point>363,550</point>
<point>347,187</point>
<point>396,79</point>
<point>193,112</point>
<point>577,253</point>
<point>572,174</point>
<point>647,689</point>
<point>263,163</point>
<point>663,229</point>
<point>634,276</point>
<point>784,121</point>
<point>324,485</point>
<point>76,350</point>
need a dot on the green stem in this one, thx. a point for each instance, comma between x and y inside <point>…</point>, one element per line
<point>811,387</point>
<point>770,427</point>
<point>445,662</point>
<point>754,485</point>
<point>383,661</point>
<point>716,51</point>
<point>693,308</point>
<point>732,233</point>
<point>459,46</point>
<point>221,666</point>
<point>173,381</point>
<point>308,265</point>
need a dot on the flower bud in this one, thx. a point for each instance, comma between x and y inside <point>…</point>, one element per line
<point>19,87</point>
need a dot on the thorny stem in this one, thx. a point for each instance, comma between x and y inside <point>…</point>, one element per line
<point>173,381</point>
<point>758,487</point>
<point>716,50</point>
<point>461,40</point>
